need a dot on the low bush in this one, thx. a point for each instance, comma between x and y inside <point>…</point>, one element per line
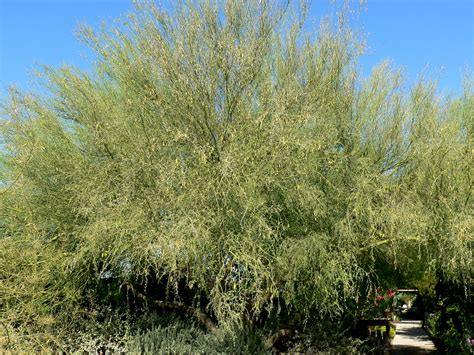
<point>452,321</point>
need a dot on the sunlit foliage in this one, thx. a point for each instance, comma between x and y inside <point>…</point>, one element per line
<point>222,158</point>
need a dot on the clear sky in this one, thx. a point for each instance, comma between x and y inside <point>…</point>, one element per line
<point>414,34</point>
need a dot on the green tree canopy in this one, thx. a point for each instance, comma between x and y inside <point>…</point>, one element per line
<point>221,159</point>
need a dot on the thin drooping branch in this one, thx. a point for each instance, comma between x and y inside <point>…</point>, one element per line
<point>278,336</point>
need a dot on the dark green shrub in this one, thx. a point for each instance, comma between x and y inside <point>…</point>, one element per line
<point>452,321</point>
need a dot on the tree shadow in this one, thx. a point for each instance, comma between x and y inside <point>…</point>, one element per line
<point>415,333</point>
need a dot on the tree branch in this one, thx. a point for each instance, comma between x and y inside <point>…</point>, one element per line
<point>200,316</point>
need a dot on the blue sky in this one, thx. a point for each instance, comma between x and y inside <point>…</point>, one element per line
<point>414,34</point>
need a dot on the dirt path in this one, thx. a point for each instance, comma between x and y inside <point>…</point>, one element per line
<point>412,339</point>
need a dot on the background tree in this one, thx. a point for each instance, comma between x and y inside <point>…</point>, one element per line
<point>221,162</point>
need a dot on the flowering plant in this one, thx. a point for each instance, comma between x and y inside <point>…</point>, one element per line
<point>381,303</point>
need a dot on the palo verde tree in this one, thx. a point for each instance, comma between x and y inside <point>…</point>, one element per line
<point>223,161</point>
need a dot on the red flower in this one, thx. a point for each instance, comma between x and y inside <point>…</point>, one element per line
<point>390,293</point>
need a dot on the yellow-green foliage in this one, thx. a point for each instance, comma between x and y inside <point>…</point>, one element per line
<point>218,144</point>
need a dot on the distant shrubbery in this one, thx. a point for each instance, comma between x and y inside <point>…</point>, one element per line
<point>222,165</point>
<point>452,321</point>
